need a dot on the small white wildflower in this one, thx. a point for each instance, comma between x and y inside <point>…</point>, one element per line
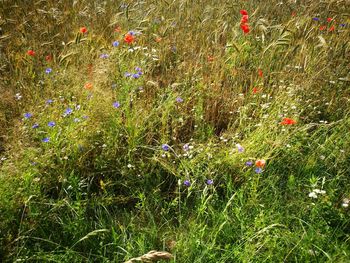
<point>18,96</point>
<point>313,195</point>
<point>318,191</point>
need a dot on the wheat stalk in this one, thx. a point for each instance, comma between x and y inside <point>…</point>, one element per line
<point>151,257</point>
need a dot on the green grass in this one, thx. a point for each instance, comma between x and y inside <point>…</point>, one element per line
<point>103,189</point>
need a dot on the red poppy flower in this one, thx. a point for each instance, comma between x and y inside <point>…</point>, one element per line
<point>88,86</point>
<point>322,28</point>
<point>129,38</point>
<point>83,30</point>
<point>260,163</point>
<point>244,19</point>
<point>243,12</point>
<point>245,28</point>
<point>256,90</point>
<point>294,14</point>
<point>48,58</point>
<point>329,19</point>
<point>158,39</point>
<point>331,28</point>
<point>210,58</point>
<point>31,53</point>
<point>288,121</point>
<point>260,72</point>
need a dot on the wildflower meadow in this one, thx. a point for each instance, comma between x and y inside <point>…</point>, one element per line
<point>175,131</point>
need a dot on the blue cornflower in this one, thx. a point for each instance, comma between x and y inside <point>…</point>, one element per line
<point>187,183</point>
<point>165,147</point>
<point>186,147</point>
<point>46,139</point>
<point>48,70</point>
<point>51,124</point>
<point>210,182</point>
<point>240,148</point>
<point>27,115</point>
<point>136,75</point>
<point>115,43</point>
<point>316,19</point>
<point>35,125</point>
<point>131,33</point>
<point>127,74</point>
<point>68,111</point>
<point>85,117</point>
<point>258,170</point>
<point>138,69</point>
<point>104,56</point>
<point>342,25</point>
<point>49,101</point>
<point>179,99</point>
<point>248,163</point>
<point>116,104</point>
